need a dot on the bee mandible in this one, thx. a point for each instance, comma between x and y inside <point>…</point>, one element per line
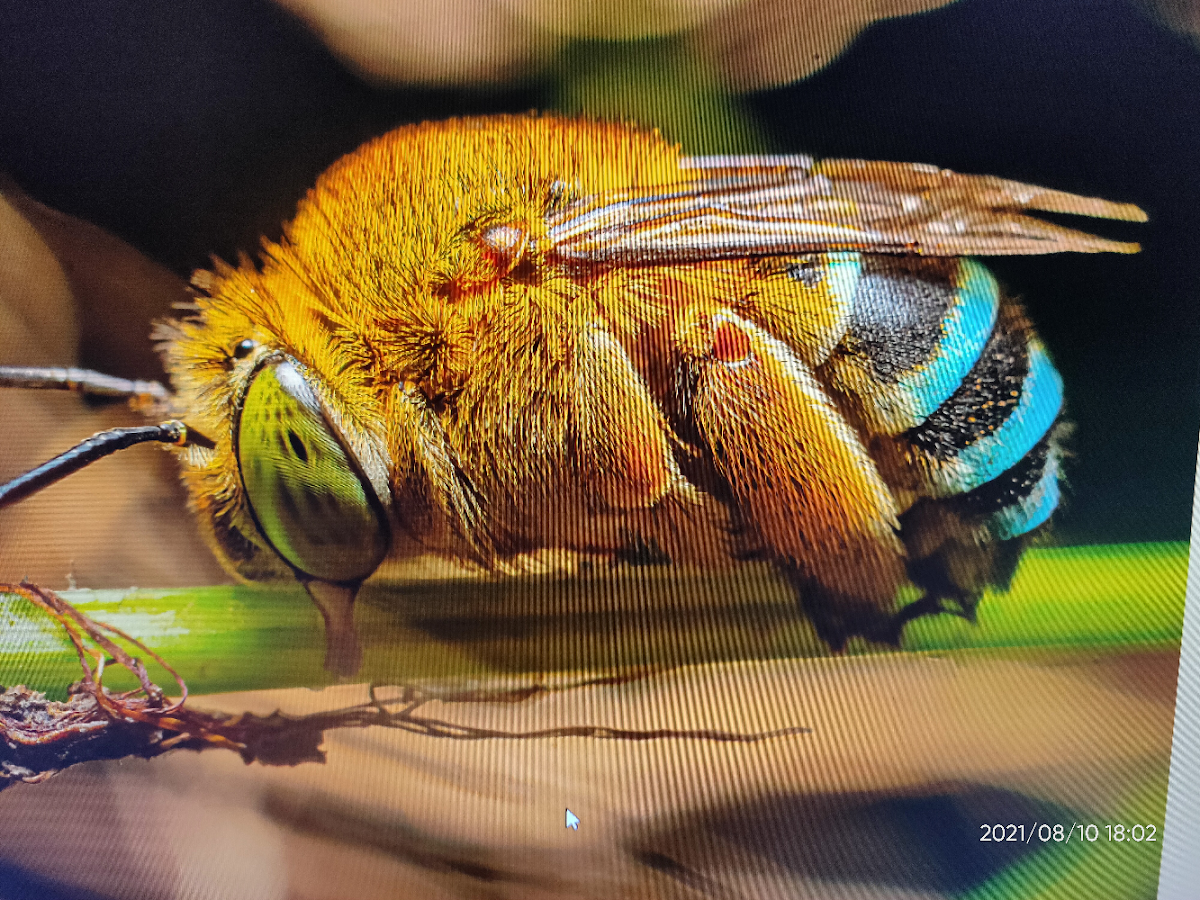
<point>481,338</point>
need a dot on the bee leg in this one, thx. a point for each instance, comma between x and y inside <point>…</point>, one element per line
<point>621,442</point>
<point>837,616</point>
<point>935,574</point>
<point>643,508</point>
<point>798,473</point>
<point>930,605</point>
<point>343,652</point>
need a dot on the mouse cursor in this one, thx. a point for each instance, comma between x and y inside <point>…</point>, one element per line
<point>572,821</point>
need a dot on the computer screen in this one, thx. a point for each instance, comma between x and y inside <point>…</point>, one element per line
<point>676,449</point>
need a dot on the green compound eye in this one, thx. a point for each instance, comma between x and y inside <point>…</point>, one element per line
<point>311,500</point>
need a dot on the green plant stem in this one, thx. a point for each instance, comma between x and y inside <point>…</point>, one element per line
<point>237,638</point>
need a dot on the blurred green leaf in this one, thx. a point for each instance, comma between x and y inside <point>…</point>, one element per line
<point>655,82</point>
<point>1075,596</point>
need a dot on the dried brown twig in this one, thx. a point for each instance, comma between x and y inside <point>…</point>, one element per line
<point>40,737</point>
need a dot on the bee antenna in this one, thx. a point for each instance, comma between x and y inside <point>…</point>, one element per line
<point>98,446</point>
<point>86,382</point>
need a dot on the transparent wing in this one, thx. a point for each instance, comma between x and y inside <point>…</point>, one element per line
<point>742,206</point>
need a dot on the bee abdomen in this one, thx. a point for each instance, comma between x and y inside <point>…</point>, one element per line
<point>1005,406</point>
<point>983,466</point>
<point>958,391</point>
<point>916,329</point>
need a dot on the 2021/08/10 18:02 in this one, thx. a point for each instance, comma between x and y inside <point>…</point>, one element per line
<point>1045,832</point>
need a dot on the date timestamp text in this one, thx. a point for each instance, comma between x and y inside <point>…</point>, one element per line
<point>1047,832</point>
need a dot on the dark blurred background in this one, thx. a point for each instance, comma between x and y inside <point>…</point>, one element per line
<point>192,129</point>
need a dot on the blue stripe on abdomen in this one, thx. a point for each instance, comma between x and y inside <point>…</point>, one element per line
<point>917,328</point>
<point>965,330</point>
<point>989,456</point>
<point>1032,510</point>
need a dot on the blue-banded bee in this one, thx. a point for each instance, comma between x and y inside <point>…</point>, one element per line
<point>485,337</point>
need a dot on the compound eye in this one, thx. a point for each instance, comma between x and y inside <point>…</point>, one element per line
<point>309,495</point>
